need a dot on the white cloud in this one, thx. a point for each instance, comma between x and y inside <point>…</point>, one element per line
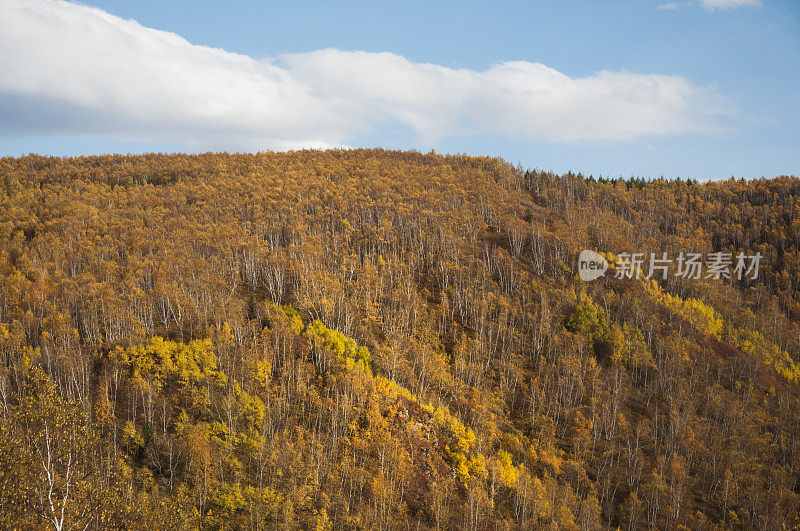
<point>71,70</point>
<point>714,5</point>
<point>671,6</point>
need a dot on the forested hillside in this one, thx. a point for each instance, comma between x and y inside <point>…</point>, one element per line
<point>377,339</point>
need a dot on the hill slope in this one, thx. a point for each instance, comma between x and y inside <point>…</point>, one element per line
<point>371,338</point>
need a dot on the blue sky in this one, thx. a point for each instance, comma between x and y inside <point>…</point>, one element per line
<point>690,90</point>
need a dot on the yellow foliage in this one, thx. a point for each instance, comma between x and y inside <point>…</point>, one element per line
<point>707,320</point>
<point>345,348</point>
<point>131,438</point>
<point>477,466</point>
<point>769,354</point>
<point>507,471</point>
<point>699,314</point>
<point>162,359</point>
